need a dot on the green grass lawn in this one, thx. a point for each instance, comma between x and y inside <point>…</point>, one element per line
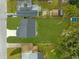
<point>11,6</point>
<point>12,23</point>
<point>49,30</point>
<point>46,50</point>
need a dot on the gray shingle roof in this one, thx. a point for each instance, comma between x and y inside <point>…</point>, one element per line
<point>27,12</point>
<point>26,28</point>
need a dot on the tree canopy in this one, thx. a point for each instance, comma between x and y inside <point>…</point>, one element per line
<point>70,10</point>
<point>73,2</point>
<point>69,46</point>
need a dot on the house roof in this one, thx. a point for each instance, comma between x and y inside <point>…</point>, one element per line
<point>32,56</point>
<point>26,9</point>
<point>26,28</point>
<point>26,12</point>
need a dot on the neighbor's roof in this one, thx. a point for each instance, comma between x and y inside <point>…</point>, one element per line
<point>32,56</point>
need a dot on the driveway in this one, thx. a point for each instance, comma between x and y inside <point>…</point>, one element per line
<point>11,32</point>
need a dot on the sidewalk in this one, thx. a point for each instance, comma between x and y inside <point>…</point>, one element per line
<point>13,45</point>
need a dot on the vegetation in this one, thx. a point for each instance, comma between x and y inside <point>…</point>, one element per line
<point>11,6</point>
<point>13,22</point>
<point>45,4</point>
<point>73,2</point>
<point>70,41</point>
<point>12,55</point>
<point>48,51</point>
<point>70,11</point>
<point>69,44</point>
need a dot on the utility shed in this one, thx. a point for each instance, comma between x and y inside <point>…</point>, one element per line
<point>27,28</point>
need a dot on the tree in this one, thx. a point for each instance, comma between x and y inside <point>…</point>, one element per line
<point>70,10</point>
<point>69,46</point>
<point>77,4</point>
<point>73,2</point>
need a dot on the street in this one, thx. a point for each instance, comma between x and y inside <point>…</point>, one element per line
<point>3,40</point>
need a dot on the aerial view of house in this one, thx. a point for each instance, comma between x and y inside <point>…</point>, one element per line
<point>43,29</point>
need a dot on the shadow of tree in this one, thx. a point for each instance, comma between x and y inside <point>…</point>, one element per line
<point>15,51</point>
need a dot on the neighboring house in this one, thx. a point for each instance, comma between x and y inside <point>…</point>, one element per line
<point>29,51</point>
<point>31,55</point>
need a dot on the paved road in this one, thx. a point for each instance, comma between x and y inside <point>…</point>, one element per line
<point>3,9</point>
